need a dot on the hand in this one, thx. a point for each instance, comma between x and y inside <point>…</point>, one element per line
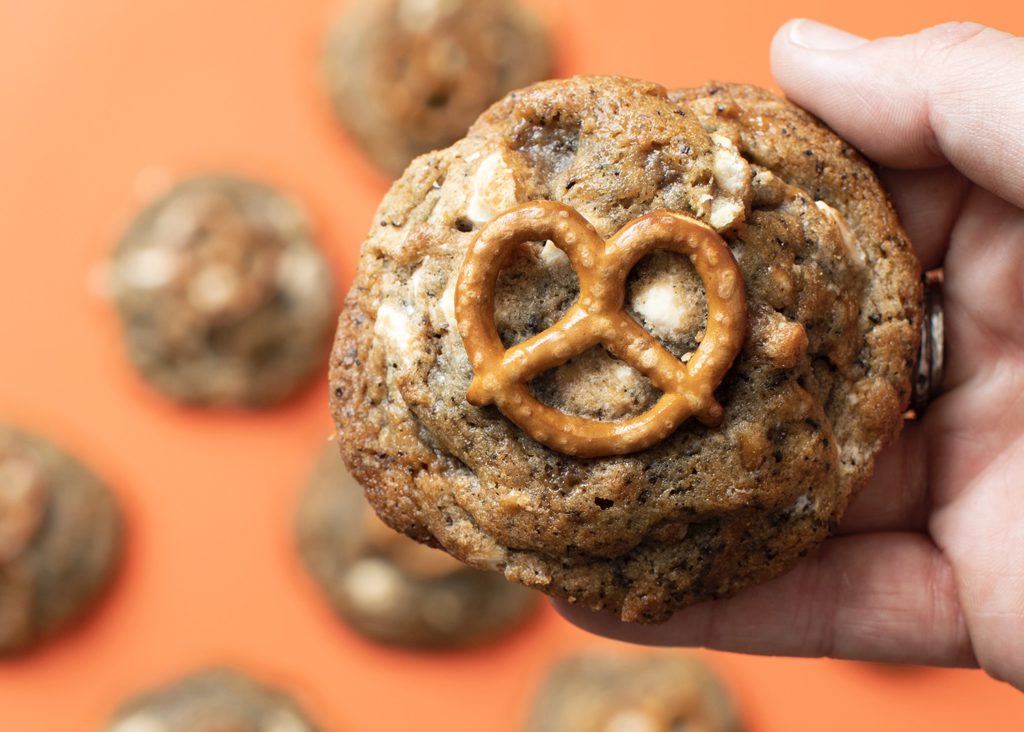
<point>928,563</point>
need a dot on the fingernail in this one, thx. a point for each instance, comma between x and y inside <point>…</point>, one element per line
<point>820,37</point>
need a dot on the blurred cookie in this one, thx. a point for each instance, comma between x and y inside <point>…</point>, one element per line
<point>389,587</point>
<point>224,297</point>
<point>638,693</point>
<point>219,700</point>
<point>410,76</point>
<point>59,532</point>
<point>767,454</point>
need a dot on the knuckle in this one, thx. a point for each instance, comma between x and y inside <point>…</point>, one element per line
<point>945,58</point>
<point>941,40</point>
<point>933,49</point>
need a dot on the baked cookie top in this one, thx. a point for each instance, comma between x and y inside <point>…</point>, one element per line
<point>655,692</point>
<point>387,586</point>
<point>218,700</point>
<point>224,297</point>
<point>409,76</point>
<point>59,539</point>
<point>833,311</point>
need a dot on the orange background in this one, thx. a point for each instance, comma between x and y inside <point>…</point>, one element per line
<point>100,99</point>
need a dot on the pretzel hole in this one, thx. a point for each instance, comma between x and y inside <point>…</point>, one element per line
<point>666,296</point>
<point>596,385</point>
<point>535,288</point>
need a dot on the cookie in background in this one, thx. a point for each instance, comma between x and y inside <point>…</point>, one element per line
<point>224,297</point>
<point>409,76</point>
<point>217,700</point>
<point>391,588</point>
<point>59,539</point>
<point>652,692</point>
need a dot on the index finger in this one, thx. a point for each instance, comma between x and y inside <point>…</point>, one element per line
<point>878,597</point>
<point>953,93</point>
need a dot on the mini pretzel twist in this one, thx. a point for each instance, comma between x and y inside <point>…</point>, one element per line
<point>501,375</point>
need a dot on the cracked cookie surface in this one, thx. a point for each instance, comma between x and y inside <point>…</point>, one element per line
<point>833,298</point>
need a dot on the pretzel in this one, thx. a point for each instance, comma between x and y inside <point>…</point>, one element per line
<point>597,317</point>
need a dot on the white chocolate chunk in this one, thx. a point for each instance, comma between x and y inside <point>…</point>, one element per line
<point>763,178</point>
<point>213,287</point>
<point>551,256</point>
<point>804,504</point>
<point>724,213</point>
<point>373,585</point>
<point>416,286</point>
<point>299,270</point>
<point>730,169</point>
<point>632,720</point>
<point>148,268</point>
<point>493,190</point>
<point>283,720</point>
<point>495,559</point>
<point>661,307</point>
<point>140,722</point>
<point>850,242</point>
<point>625,376</point>
<point>732,176</point>
<point>394,326</point>
<point>419,16</point>
<point>448,303</point>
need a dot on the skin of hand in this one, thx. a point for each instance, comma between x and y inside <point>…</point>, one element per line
<point>927,566</point>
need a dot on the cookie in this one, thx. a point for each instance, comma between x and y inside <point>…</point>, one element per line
<point>769,451</point>
<point>409,76</point>
<point>388,587</point>
<point>59,539</point>
<point>224,297</point>
<point>641,693</point>
<point>220,700</point>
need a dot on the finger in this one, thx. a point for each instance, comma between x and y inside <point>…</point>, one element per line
<point>896,498</point>
<point>984,289</point>
<point>952,93</point>
<point>882,597</point>
<point>928,203</point>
